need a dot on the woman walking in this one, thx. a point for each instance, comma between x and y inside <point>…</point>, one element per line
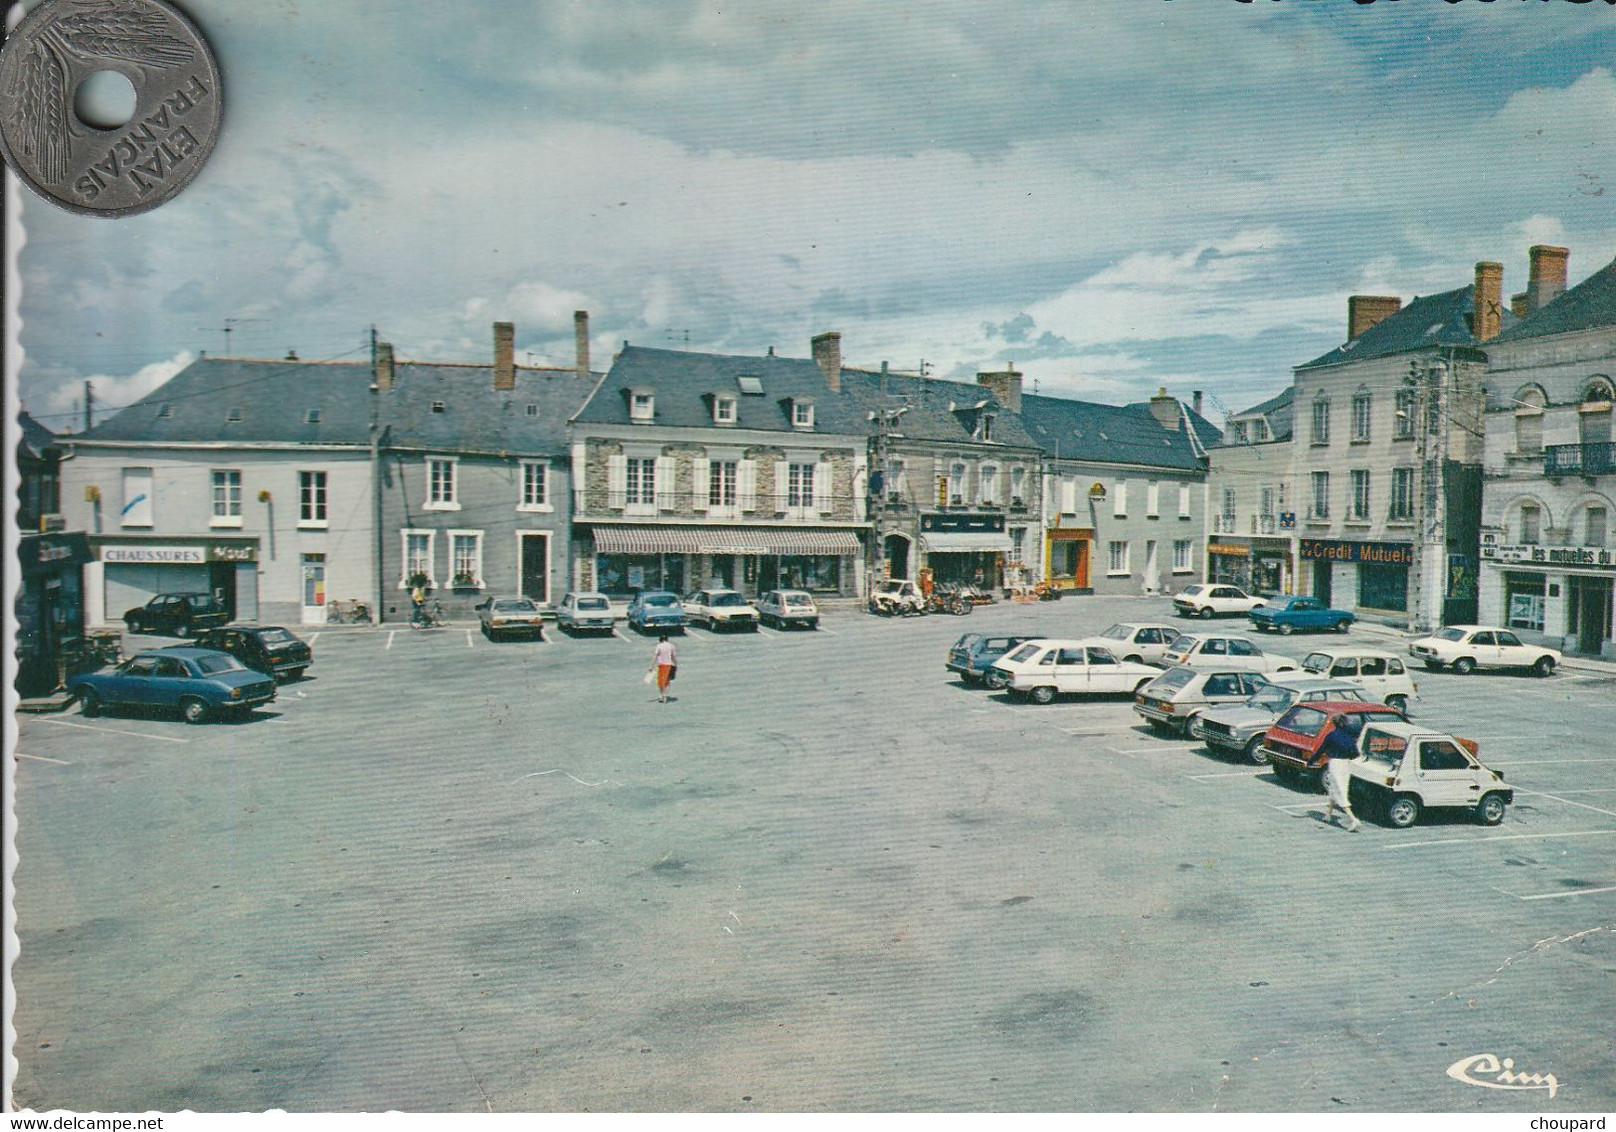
<point>664,662</point>
<point>1340,748</point>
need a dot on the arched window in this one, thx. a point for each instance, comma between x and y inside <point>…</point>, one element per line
<point>1593,415</point>
<point>1529,402</point>
<point>1529,524</point>
<point>1592,524</point>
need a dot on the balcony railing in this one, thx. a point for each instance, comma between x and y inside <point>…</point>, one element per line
<point>1262,524</point>
<point>1598,459</point>
<point>1223,524</point>
<point>596,503</point>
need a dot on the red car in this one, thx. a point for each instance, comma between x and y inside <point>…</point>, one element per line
<point>1293,742</point>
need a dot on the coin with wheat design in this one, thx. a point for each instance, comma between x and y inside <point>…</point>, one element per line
<point>92,169</point>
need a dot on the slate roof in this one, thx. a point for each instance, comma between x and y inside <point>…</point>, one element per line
<point>1589,304</point>
<point>938,410</point>
<point>1434,320</point>
<point>274,399</point>
<point>35,437</point>
<point>1276,410</point>
<point>684,384</point>
<point>1113,434</point>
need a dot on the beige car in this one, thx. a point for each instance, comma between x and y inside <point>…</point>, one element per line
<point>1381,675</point>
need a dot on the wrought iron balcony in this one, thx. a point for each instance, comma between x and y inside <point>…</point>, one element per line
<point>1597,459</point>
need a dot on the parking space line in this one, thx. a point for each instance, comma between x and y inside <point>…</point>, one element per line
<point>1592,790</point>
<point>827,632</point>
<point>1298,805</point>
<point>1536,762</point>
<point>1227,774</point>
<point>1501,837</point>
<point>1567,801</point>
<point>468,639</point>
<point>1568,892</point>
<point>314,636</point>
<point>390,634</point>
<point>40,759</point>
<point>1143,750</point>
<point>112,730</point>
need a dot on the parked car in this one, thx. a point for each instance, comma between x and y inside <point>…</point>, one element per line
<point>1174,698</point>
<point>1042,669</point>
<point>785,609</point>
<point>201,683</point>
<point>1194,650</point>
<point>263,648</point>
<point>1139,641</point>
<point>1380,674</point>
<point>1239,728</point>
<point>898,597</point>
<point>1288,613</point>
<point>1469,647</point>
<point>1294,742</point>
<point>1403,770</point>
<point>1205,600</point>
<point>176,615</point>
<point>972,656</point>
<point>510,616</point>
<point>656,611</point>
<point>721,609</point>
<point>585,612</point>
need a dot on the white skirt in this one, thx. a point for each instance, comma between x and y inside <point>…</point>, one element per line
<point>1337,777</point>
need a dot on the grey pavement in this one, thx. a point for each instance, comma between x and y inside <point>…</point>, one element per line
<point>449,875</point>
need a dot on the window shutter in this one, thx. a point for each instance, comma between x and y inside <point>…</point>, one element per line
<point>1120,508</point>
<point>746,485</point>
<point>782,483</point>
<point>1184,499</point>
<point>824,502</point>
<point>663,486</point>
<point>616,481</point>
<point>700,473</point>
<point>1068,487</point>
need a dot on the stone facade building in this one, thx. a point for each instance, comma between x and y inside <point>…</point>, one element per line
<point>1548,569</point>
<point>1251,520</point>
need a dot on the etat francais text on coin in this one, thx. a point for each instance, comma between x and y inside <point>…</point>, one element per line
<point>133,167</point>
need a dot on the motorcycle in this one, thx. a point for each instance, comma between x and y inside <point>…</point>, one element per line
<point>951,599</point>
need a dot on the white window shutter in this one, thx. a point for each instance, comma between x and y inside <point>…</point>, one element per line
<point>746,485</point>
<point>1184,499</point>
<point>663,487</point>
<point>699,475</point>
<point>782,484</point>
<point>1120,508</point>
<point>824,502</point>
<point>1068,495</point>
<point>616,481</point>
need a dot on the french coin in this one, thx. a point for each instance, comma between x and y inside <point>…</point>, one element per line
<point>130,168</point>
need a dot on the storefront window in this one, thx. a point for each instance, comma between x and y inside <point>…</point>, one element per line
<point>1524,598</point>
<point>631,573</point>
<point>1383,586</point>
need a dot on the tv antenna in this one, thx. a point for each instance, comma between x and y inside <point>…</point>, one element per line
<point>229,325</point>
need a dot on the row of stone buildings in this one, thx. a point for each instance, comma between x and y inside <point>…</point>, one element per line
<point>1452,461</point>
<point>283,485</point>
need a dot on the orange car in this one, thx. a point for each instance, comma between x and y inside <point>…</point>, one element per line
<point>1293,743</point>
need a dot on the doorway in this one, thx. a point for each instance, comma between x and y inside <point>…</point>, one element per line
<point>897,554</point>
<point>1589,613</point>
<point>533,552</point>
<point>222,583</point>
<point>314,589</point>
<point>722,573</point>
<point>1152,567</point>
<point>1322,570</point>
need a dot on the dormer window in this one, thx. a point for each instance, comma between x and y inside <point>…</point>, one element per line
<point>749,383</point>
<point>165,411</point>
<point>312,417</point>
<point>985,429</point>
<point>641,406</point>
<point>724,410</point>
<point>437,406</point>
<point>233,414</point>
<point>532,410</point>
<point>802,414</point>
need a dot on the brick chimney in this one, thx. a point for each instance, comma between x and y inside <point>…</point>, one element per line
<point>1547,280</point>
<point>1195,402</point>
<point>1166,410</point>
<point>1363,311</point>
<point>1520,305</point>
<point>1487,301</point>
<point>828,355</point>
<point>580,334</point>
<point>504,355</point>
<point>1006,386</point>
<point>384,366</point>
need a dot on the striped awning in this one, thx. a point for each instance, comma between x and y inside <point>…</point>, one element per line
<point>724,540</point>
<point>966,542</point>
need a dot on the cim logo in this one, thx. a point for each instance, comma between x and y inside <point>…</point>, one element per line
<point>1486,1070</point>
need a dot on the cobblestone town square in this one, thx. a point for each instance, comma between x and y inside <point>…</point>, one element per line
<point>447,874</point>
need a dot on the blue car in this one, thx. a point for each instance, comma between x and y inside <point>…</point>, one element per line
<point>200,683</point>
<point>1287,614</point>
<point>972,657</point>
<point>656,611</point>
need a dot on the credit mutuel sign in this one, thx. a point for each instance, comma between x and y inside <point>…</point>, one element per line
<point>1378,553</point>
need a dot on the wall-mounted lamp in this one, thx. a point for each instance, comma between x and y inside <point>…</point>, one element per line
<point>92,494</point>
<point>263,495</point>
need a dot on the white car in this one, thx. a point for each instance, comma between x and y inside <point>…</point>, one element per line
<point>1209,600</point>
<point>504,616</point>
<point>1402,769</point>
<point>1468,647</point>
<point>1138,640</point>
<point>720,609</point>
<point>1380,674</point>
<point>1210,650</point>
<point>585,612</point>
<point>785,609</point>
<point>1043,669</point>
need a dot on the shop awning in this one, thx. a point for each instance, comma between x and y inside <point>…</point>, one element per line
<point>724,540</point>
<point>966,542</point>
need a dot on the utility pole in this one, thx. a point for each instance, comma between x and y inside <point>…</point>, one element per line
<point>376,480</point>
<point>1428,578</point>
<point>89,403</point>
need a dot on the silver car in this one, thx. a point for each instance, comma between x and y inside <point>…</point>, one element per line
<point>786,609</point>
<point>585,612</point>
<point>1172,700</point>
<point>1140,641</point>
<point>1218,650</point>
<point>507,616</point>
<point>1239,728</point>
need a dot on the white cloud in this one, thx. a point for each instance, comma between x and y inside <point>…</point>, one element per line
<point>115,391</point>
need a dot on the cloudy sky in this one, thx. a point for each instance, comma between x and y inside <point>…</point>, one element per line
<point>1112,194</point>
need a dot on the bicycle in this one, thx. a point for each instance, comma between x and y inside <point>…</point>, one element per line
<point>354,612</point>
<point>428,616</point>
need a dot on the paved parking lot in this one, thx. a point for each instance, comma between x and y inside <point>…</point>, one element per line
<point>449,874</point>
